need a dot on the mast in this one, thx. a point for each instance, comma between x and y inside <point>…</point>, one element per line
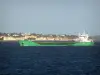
<point>84,33</point>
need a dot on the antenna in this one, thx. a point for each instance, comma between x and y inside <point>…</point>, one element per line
<point>84,33</point>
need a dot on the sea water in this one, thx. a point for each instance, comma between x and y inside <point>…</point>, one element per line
<point>16,60</point>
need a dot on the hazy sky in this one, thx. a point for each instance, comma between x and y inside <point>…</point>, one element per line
<point>50,16</point>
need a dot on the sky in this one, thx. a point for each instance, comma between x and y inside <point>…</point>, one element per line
<point>50,16</point>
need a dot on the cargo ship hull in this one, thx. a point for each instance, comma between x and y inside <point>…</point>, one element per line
<point>53,43</point>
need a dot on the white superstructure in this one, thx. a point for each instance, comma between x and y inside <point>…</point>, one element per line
<point>83,38</point>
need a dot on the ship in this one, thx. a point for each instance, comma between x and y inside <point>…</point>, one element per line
<point>81,40</point>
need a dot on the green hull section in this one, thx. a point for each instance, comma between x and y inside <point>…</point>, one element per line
<point>31,43</point>
<point>84,44</point>
<point>27,43</point>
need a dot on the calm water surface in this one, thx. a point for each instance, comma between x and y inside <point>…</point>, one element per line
<point>15,60</point>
